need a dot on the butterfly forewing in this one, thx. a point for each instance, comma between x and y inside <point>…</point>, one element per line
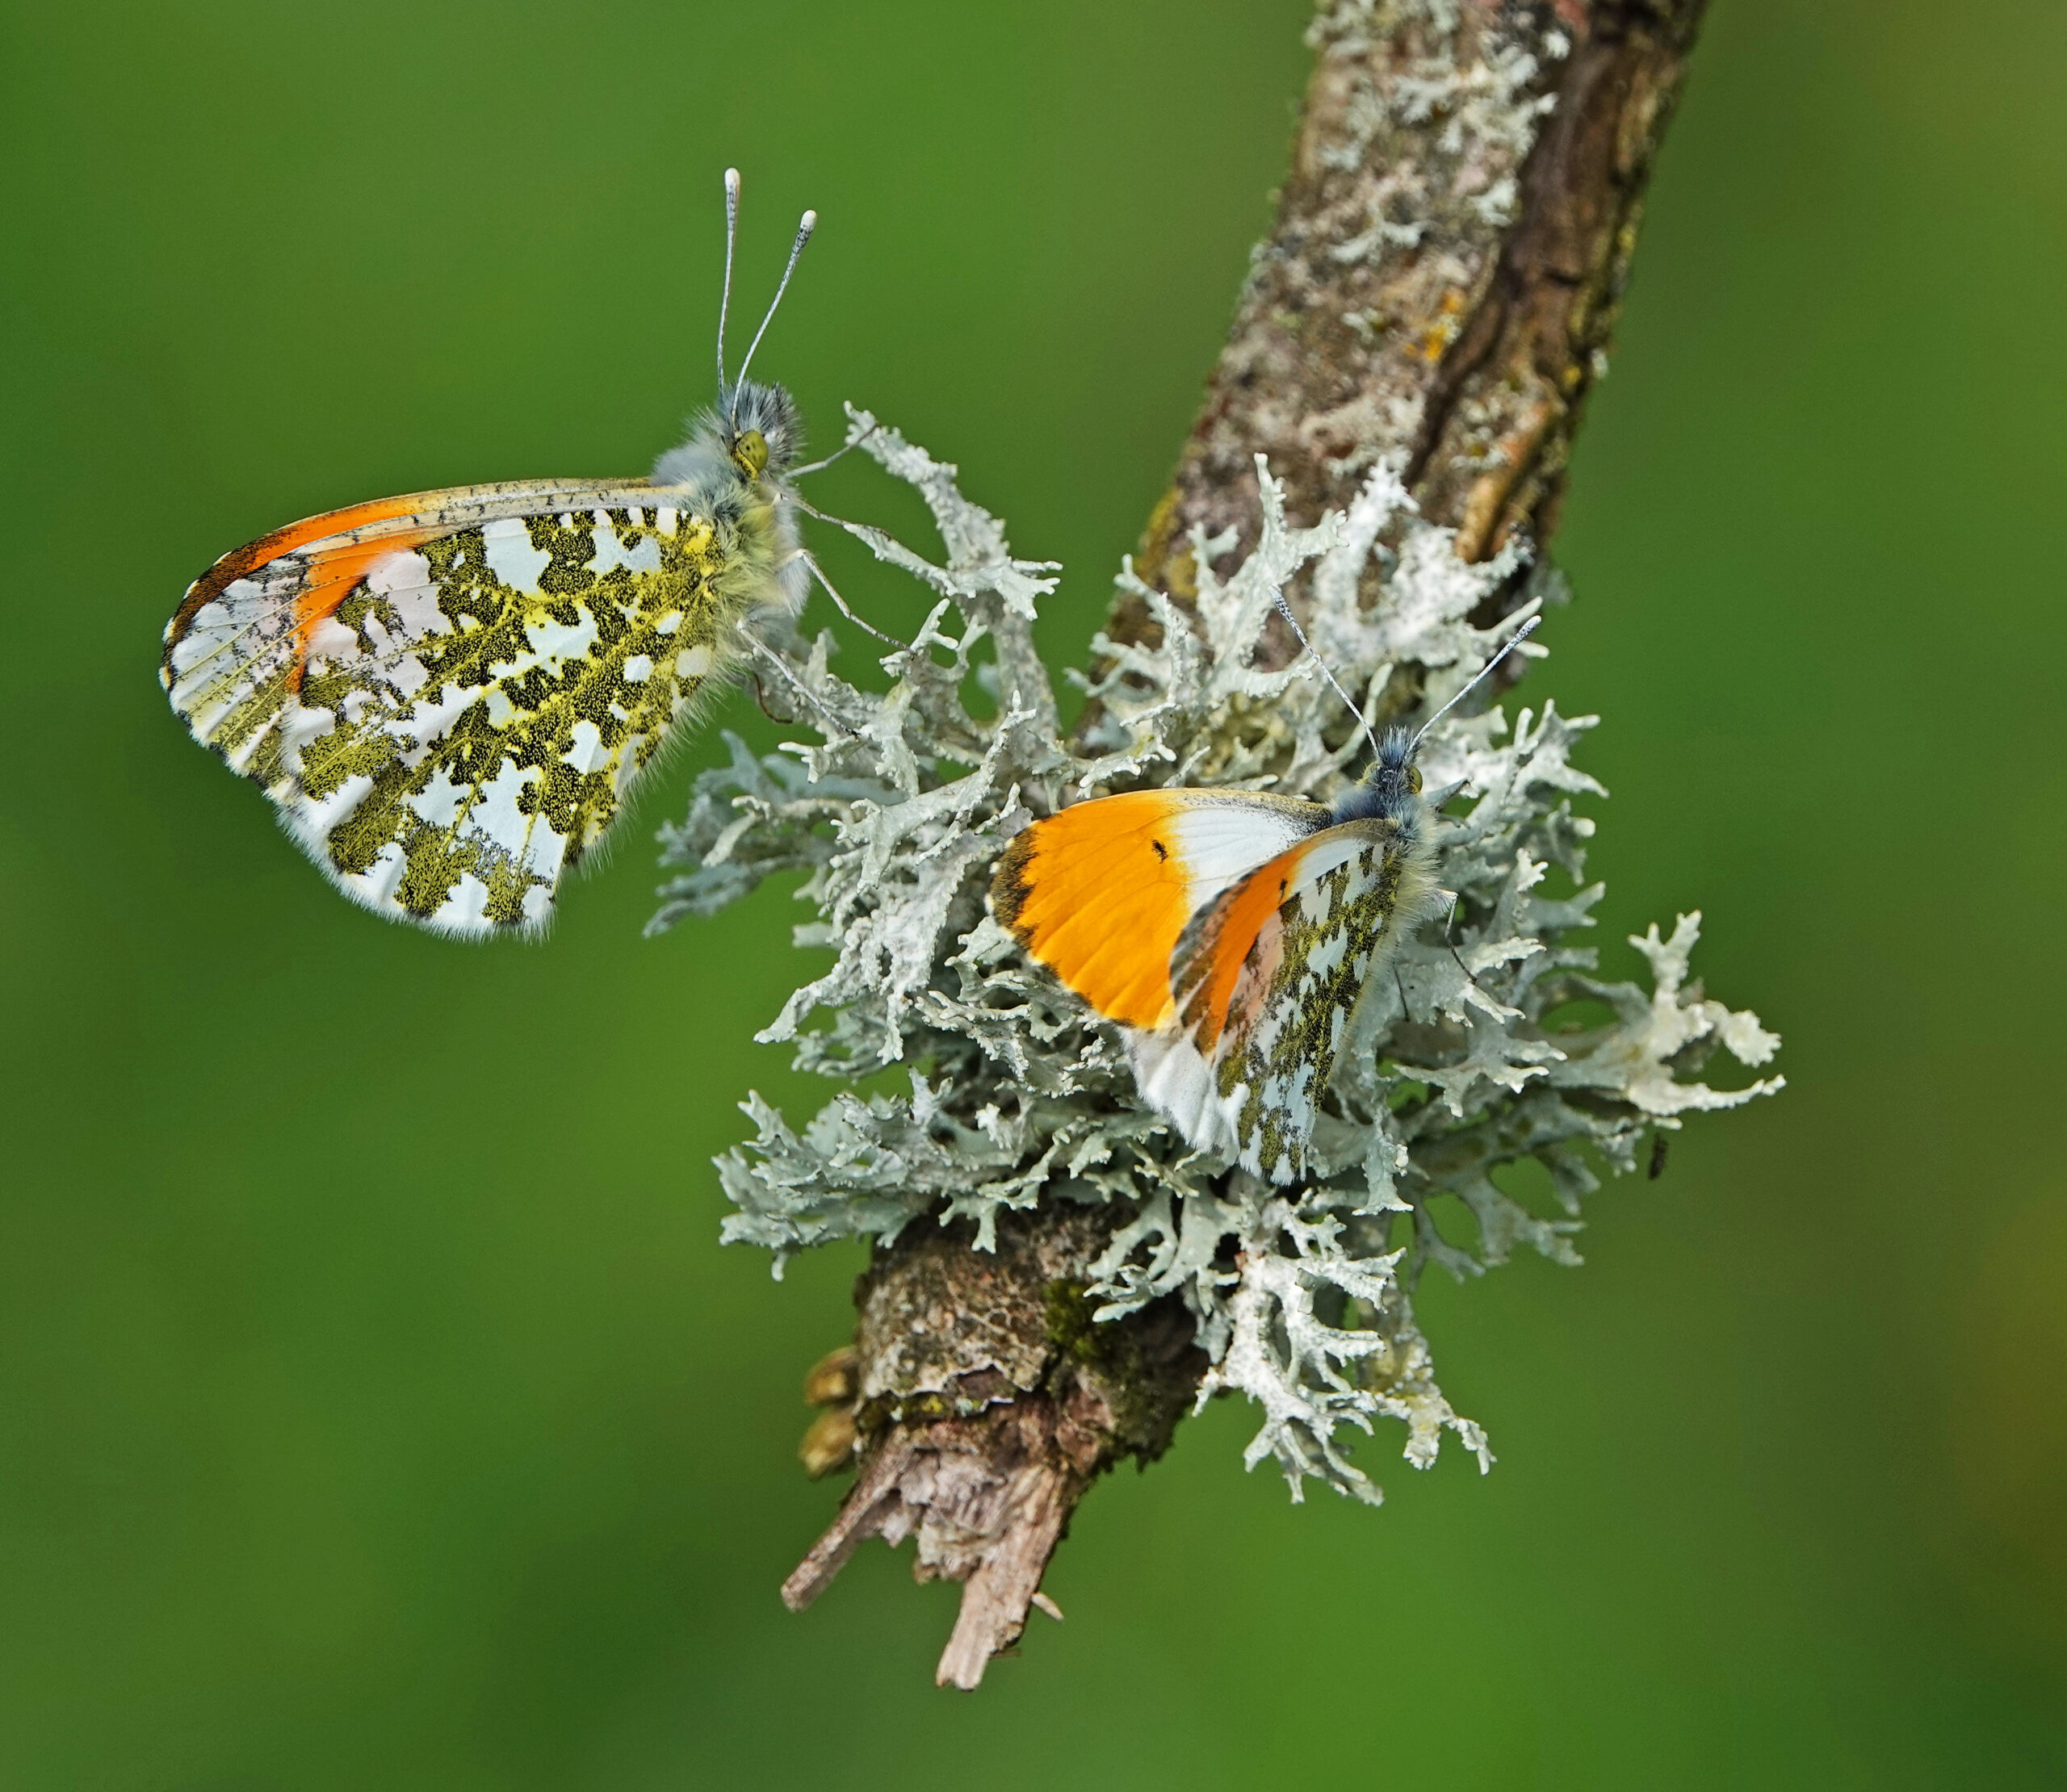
<point>1101,892</point>
<point>448,696</point>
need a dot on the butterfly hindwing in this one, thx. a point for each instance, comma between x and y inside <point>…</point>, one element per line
<point>449,696</point>
<point>1266,977</point>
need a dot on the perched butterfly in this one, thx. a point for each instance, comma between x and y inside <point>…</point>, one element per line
<point>1229,935</point>
<point>449,695</point>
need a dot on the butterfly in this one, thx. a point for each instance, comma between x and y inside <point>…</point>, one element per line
<point>450,696</point>
<point>1229,935</point>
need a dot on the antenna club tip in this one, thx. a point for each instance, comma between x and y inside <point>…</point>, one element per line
<point>732,180</point>
<point>807,224</point>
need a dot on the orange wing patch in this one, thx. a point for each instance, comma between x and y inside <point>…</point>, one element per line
<point>332,577</point>
<point>1100,893</point>
<point>365,534</point>
<point>242,562</point>
<point>1235,923</point>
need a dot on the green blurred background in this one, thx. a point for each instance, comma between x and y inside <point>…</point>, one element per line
<point>376,1405</point>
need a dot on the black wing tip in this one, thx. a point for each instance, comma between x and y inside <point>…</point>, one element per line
<point>1010,888</point>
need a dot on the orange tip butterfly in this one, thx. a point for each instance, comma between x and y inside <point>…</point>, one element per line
<point>450,696</point>
<point>1229,935</point>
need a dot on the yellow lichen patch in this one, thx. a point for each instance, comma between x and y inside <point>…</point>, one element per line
<point>1442,330</point>
<point>1156,564</point>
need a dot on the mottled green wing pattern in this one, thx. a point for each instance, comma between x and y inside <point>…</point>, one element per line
<point>1336,907</point>
<point>452,735</point>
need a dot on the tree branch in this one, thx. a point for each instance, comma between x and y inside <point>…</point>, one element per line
<point>989,1399</point>
<point>1436,294</point>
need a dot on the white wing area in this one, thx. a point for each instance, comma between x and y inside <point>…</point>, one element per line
<point>1224,836</point>
<point>1175,1080</point>
<point>1253,1091</point>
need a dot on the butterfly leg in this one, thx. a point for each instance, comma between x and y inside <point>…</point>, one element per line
<point>761,698</point>
<point>818,572</point>
<point>1453,951</point>
<point>1460,965</point>
<point>820,465</point>
<point>756,645</point>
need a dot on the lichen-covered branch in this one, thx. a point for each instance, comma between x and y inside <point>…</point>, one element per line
<point>995,1398</point>
<point>1056,1277</point>
<point>1443,279</point>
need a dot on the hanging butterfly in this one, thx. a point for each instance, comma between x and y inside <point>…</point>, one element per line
<point>449,696</point>
<point>1229,935</point>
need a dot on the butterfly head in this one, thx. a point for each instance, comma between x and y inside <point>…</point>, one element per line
<point>759,429</point>
<point>724,459</point>
<point>1395,774</point>
<point>757,423</point>
<point>1391,789</point>
<point>753,433</point>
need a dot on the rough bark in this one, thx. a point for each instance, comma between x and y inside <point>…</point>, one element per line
<point>1437,292</point>
<point>983,1399</point>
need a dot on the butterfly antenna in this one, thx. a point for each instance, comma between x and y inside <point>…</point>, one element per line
<point>1285,610</point>
<point>805,226</point>
<point>1485,671</point>
<point>725,298</point>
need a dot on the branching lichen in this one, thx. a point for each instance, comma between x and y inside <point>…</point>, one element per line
<point>1492,1039</point>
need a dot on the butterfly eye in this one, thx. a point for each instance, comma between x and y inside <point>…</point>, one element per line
<point>1414,779</point>
<point>750,454</point>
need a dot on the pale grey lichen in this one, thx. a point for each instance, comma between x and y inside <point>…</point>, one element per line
<point>1491,1041</point>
